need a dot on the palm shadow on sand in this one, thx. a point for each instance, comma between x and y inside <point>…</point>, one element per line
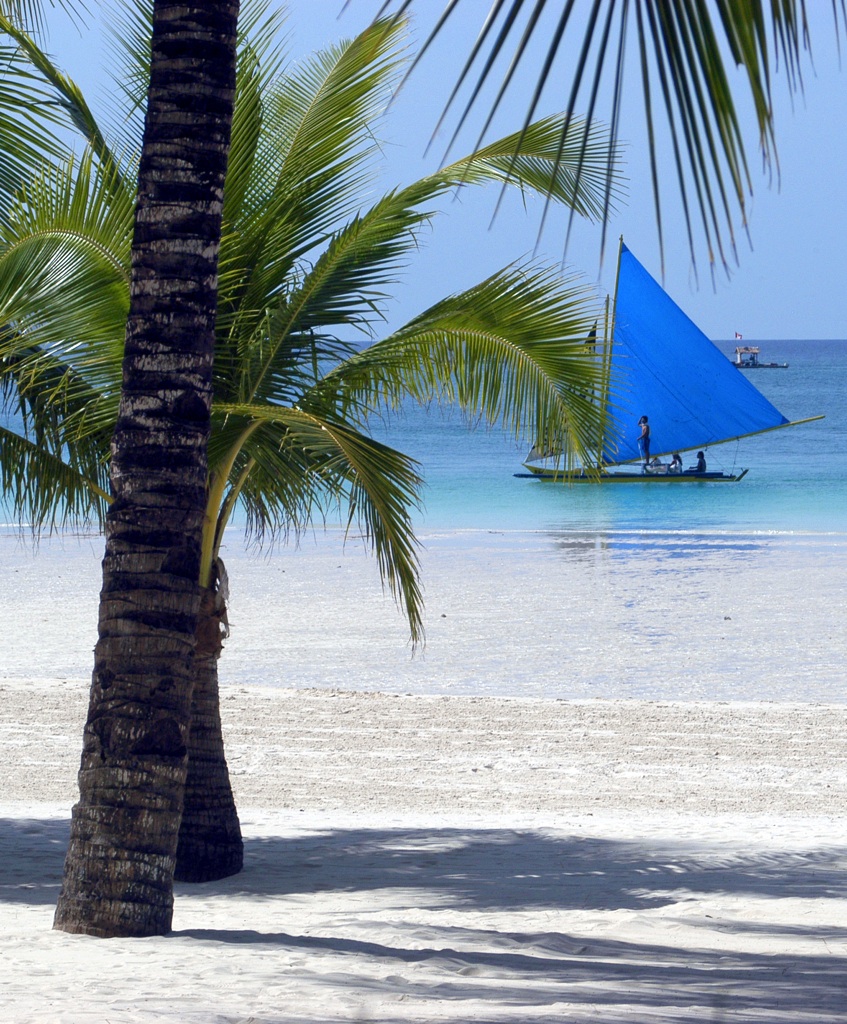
<point>491,871</point>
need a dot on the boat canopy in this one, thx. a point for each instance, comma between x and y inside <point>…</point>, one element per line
<point>664,367</point>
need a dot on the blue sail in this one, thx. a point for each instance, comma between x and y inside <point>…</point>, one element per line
<point>664,367</point>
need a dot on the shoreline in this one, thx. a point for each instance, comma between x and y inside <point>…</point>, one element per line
<point>574,615</point>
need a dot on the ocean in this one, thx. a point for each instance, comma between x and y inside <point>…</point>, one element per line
<point>699,592</point>
<point>797,480</point>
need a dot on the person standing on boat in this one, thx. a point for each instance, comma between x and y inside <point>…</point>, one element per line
<point>644,441</point>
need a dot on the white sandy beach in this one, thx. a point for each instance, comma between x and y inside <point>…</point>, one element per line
<point>456,858</point>
<point>425,856</point>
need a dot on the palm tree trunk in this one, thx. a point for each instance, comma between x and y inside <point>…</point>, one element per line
<point>210,844</point>
<point>119,868</point>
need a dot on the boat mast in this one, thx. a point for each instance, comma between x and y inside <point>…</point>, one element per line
<point>609,339</point>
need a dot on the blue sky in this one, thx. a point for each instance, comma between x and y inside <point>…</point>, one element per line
<point>790,282</point>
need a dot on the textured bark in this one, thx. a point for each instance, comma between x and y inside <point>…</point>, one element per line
<point>210,844</point>
<point>119,868</point>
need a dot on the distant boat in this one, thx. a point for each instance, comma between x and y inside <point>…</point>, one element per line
<point>747,358</point>
<point>660,364</point>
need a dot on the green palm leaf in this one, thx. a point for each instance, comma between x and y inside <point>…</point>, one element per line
<point>61,102</point>
<point>563,157</point>
<point>29,118</point>
<point>687,52</point>
<point>348,285</point>
<point>44,489</point>
<point>512,350</point>
<point>64,253</point>
<point>314,156</point>
<point>63,306</point>
<point>29,14</point>
<point>301,463</point>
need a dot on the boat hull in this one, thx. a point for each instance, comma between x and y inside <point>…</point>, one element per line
<point>630,477</point>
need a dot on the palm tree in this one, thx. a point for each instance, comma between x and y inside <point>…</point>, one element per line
<point>305,264</point>
<point>683,33</point>
<point>118,875</point>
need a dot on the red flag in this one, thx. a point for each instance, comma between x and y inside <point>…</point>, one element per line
<point>738,337</point>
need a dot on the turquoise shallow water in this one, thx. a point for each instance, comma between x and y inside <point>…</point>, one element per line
<point>797,480</point>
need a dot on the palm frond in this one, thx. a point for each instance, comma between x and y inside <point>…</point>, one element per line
<point>568,159</point>
<point>64,254</point>
<point>322,119</point>
<point>314,157</point>
<point>28,122</point>
<point>63,306</point>
<point>29,14</point>
<point>260,62</point>
<point>302,463</point>
<point>43,490</point>
<point>343,289</point>
<point>128,30</point>
<point>511,350</point>
<point>56,446</point>
<point>348,284</point>
<point>66,104</point>
<point>681,45</point>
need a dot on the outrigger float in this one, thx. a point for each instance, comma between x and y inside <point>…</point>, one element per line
<point>658,363</point>
<point>634,476</point>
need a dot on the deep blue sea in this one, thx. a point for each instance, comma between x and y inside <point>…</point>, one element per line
<point>797,480</point>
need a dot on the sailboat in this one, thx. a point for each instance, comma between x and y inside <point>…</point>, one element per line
<point>659,364</point>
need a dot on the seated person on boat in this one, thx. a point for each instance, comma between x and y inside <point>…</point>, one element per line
<point>701,464</point>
